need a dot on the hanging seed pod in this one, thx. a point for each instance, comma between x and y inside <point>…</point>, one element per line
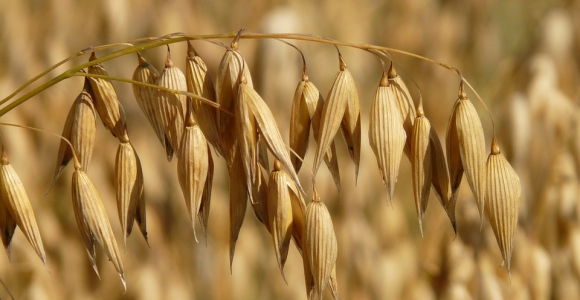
<point>146,97</point>
<point>106,102</point>
<point>170,106</point>
<point>504,193</point>
<point>280,212</point>
<point>80,130</point>
<point>440,178</point>
<point>18,205</point>
<point>192,165</point>
<point>405,104</point>
<point>204,206</point>
<point>306,111</point>
<point>386,134</point>
<point>268,129</point>
<point>421,163</point>
<point>320,242</point>
<point>7,227</point>
<point>308,277</point>
<point>260,207</point>
<point>342,103</point>
<point>247,137</point>
<point>93,221</point>
<point>466,149</point>
<point>263,154</point>
<point>238,202</point>
<point>128,186</point>
<point>200,83</point>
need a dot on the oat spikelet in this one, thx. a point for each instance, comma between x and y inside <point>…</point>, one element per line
<point>146,97</point>
<point>440,177</point>
<point>140,215</point>
<point>93,220</point>
<point>260,207</point>
<point>200,83</point>
<point>268,129</point>
<point>421,163</point>
<point>106,102</point>
<point>466,149</point>
<point>192,166</point>
<point>170,108</point>
<point>247,137</point>
<point>386,134</point>
<point>306,112</point>
<point>340,108</point>
<point>320,242</point>
<point>405,104</point>
<point>18,205</point>
<point>128,186</point>
<point>280,212</point>
<point>7,227</point>
<point>238,202</point>
<point>80,130</point>
<point>504,193</point>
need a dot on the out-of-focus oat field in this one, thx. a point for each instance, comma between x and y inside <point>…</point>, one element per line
<point>521,56</point>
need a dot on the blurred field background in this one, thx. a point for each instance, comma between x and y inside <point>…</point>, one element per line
<point>521,56</point>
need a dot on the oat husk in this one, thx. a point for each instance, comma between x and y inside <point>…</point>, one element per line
<point>7,228</point>
<point>170,110</point>
<point>192,166</point>
<point>17,204</point>
<point>466,149</point>
<point>93,221</point>
<point>440,178</point>
<point>247,137</point>
<point>321,245</point>
<point>106,102</point>
<point>146,97</point>
<point>405,104</point>
<point>204,207</point>
<point>238,202</point>
<point>504,194</point>
<point>80,130</point>
<point>387,134</point>
<point>260,207</point>
<point>421,163</point>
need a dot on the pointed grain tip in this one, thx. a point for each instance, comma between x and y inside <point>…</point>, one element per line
<point>392,71</point>
<point>168,61</point>
<point>190,50</point>
<point>141,59</point>
<point>93,56</point>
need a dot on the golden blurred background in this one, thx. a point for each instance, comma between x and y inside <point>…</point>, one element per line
<point>521,56</point>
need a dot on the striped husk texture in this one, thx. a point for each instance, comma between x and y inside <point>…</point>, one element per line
<point>16,203</point>
<point>405,104</point>
<point>421,164</point>
<point>106,102</point>
<point>503,199</point>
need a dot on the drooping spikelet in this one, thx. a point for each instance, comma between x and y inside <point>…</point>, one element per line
<point>106,102</point>
<point>16,203</point>
<point>93,221</point>
<point>421,163</point>
<point>192,165</point>
<point>466,149</point>
<point>504,194</point>
<point>146,97</point>
<point>306,112</point>
<point>440,177</point>
<point>340,108</point>
<point>7,227</point>
<point>80,130</point>
<point>405,104</point>
<point>387,134</point>
<point>170,108</point>
<point>238,202</point>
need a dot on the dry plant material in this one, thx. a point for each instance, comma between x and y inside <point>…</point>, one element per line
<point>340,110</point>
<point>170,106</point>
<point>281,190</point>
<point>205,204</point>
<point>80,129</point>
<point>93,221</point>
<point>260,207</point>
<point>129,188</point>
<point>146,97</point>
<point>267,128</point>
<point>321,245</point>
<point>200,83</point>
<point>387,134</point>
<point>192,165</point>
<point>106,102</point>
<point>421,163</point>
<point>504,194</point>
<point>7,227</point>
<point>405,104</point>
<point>440,177</point>
<point>466,149</point>
<point>238,202</point>
<point>247,137</point>
<point>306,112</point>
<point>17,204</point>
